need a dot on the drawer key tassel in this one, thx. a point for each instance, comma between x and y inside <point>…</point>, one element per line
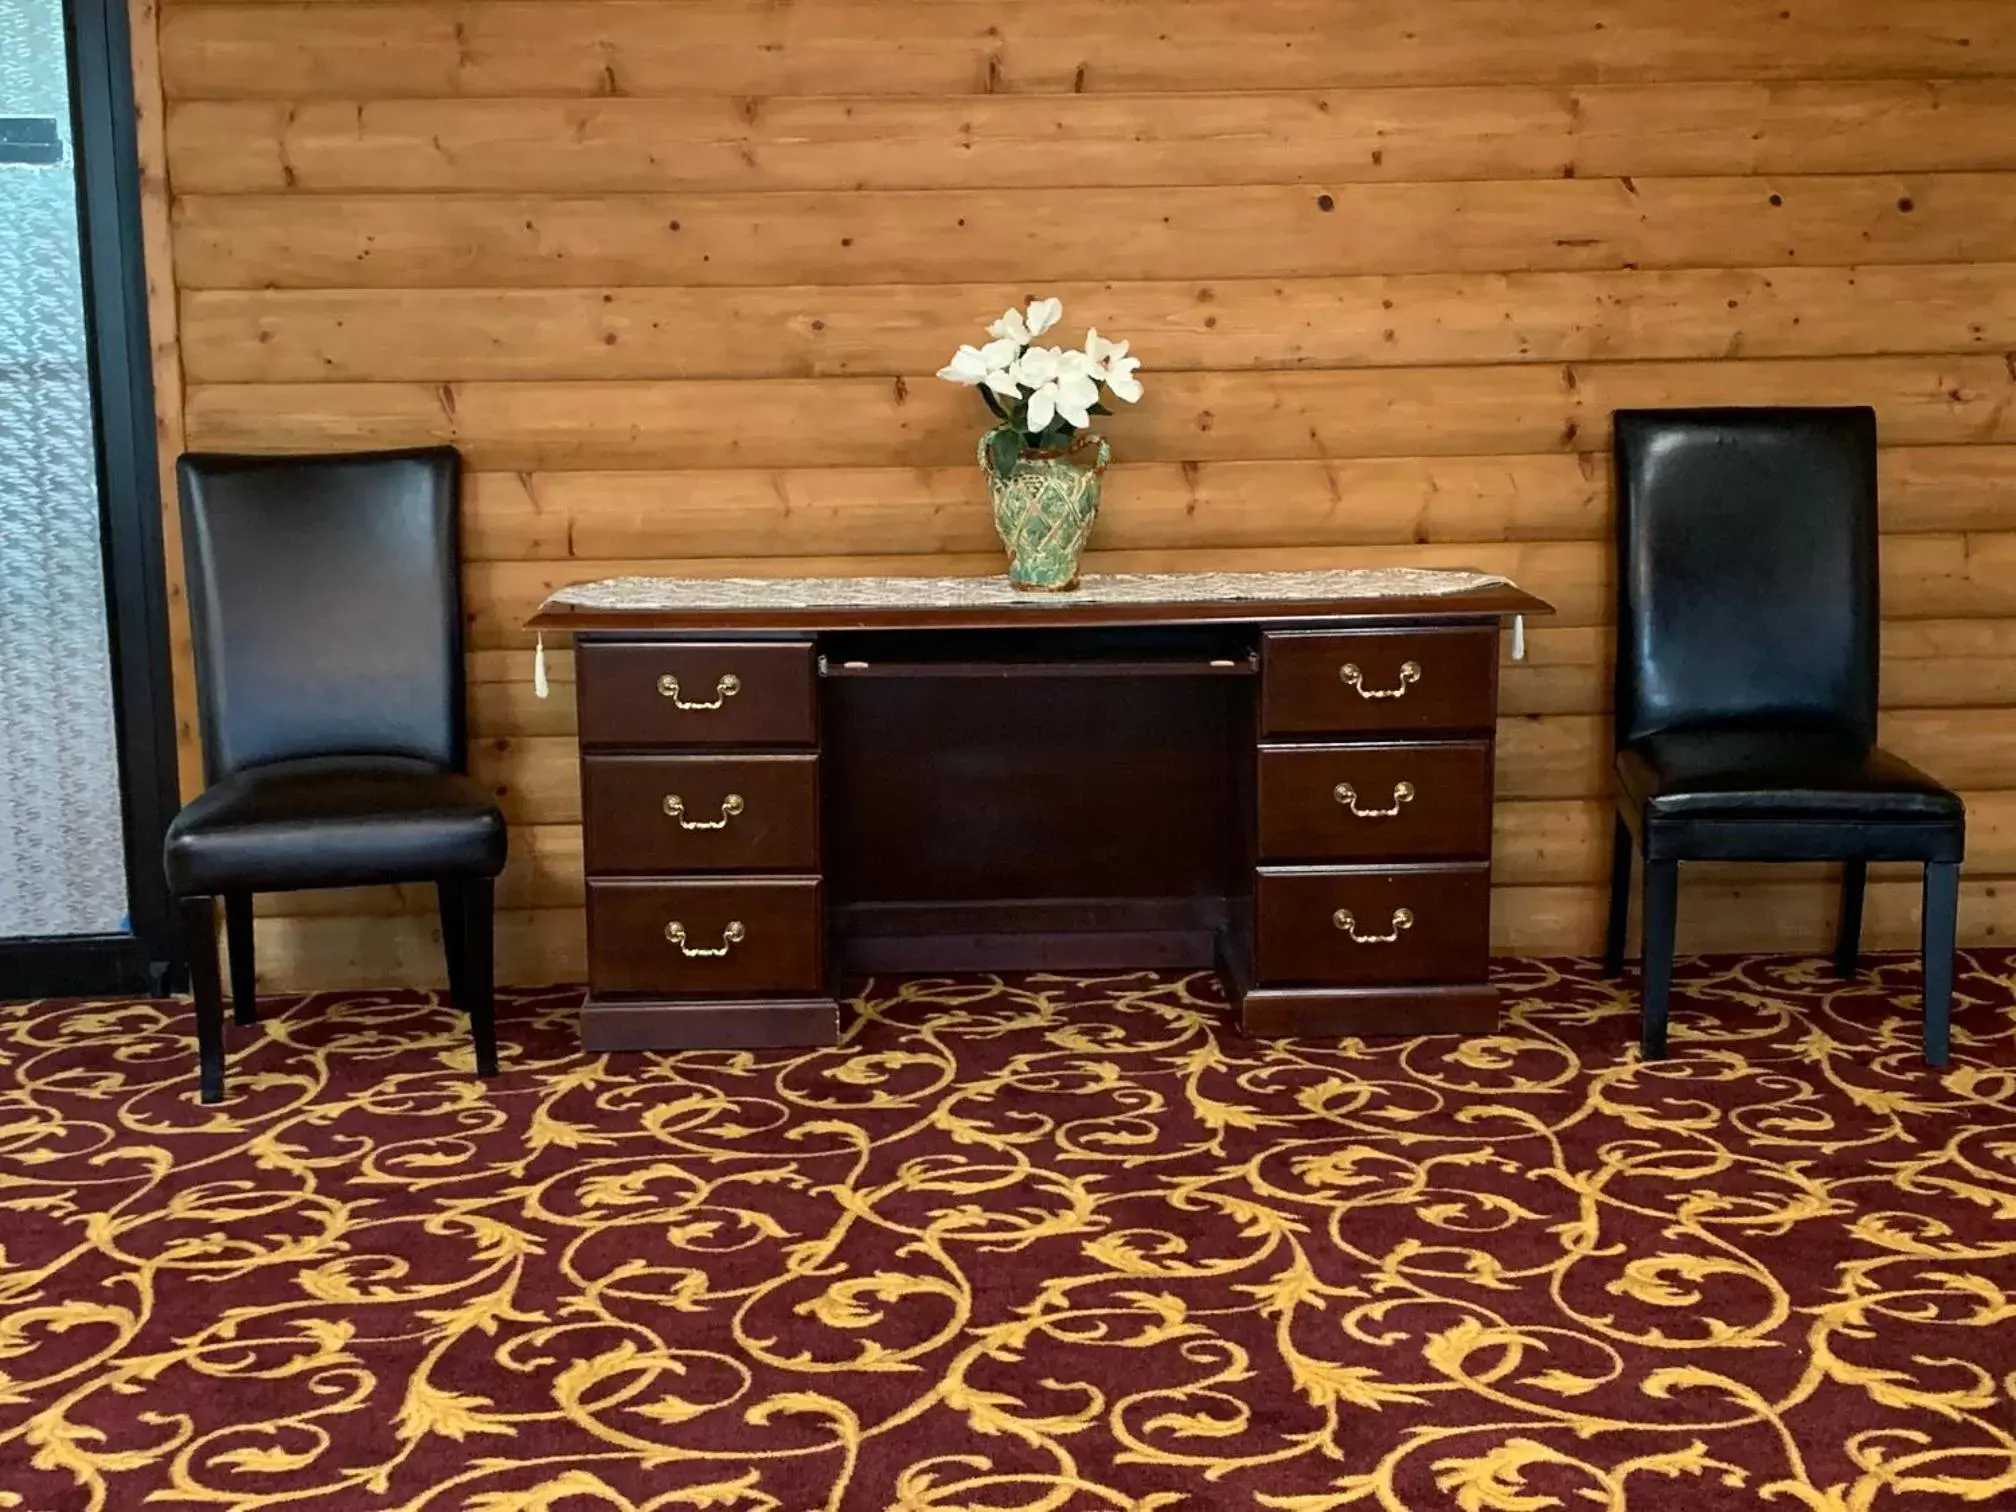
<point>1403,794</point>
<point>1403,920</point>
<point>675,808</point>
<point>727,688</point>
<point>730,938</point>
<point>1410,672</point>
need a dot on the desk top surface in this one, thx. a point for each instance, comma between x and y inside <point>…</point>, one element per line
<point>644,604</point>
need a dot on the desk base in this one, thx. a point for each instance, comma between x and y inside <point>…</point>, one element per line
<point>716,1024</point>
<point>1328,1012</point>
<point>1262,1012</point>
<point>1365,1012</point>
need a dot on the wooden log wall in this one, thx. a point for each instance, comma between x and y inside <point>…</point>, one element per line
<point>675,275</point>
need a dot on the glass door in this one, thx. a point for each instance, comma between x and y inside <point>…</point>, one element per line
<point>62,861</point>
<point>76,750</point>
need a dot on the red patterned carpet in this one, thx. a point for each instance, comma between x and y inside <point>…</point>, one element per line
<point>1045,1244</point>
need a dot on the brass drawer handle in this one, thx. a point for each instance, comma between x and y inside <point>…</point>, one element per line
<point>676,809</point>
<point>730,938</point>
<point>727,688</point>
<point>1403,793</point>
<point>1410,672</point>
<point>1403,920</point>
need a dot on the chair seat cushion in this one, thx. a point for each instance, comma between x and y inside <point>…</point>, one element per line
<point>334,821</point>
<point>1793,794</point>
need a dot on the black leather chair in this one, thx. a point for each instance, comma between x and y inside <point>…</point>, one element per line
<point>327,607</point>
<point>1747,652</point>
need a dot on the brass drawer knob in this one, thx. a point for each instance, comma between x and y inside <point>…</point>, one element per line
<point>675,808</point>
<point>1403,920</point>
<point>730,938</point>
<point>1403,794</point>
<point>727,688</point>
<point>1410,673</point>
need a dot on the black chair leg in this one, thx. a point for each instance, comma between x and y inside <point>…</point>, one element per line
<point>454,940</point>
<point>206,988</point>
<point>479,970</point>
<point>1621,851</point>
<point>1941,927</point>
<point>1662,908</point>
<point>244,973</point>
<point>1848,938</point>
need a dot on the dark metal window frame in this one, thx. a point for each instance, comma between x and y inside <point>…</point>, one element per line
<point>115,303</point>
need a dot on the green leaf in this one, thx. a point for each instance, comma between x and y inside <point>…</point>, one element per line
<point>1004,449</point>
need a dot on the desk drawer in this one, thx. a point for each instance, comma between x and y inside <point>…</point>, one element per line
<point>708,938</point>
<point>1373,926</point>
<point>700,813</point>
<point>693,693</point>
<point>1427,681</point>
<point>1375,802</point>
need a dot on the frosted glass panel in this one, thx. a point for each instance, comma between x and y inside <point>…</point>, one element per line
<point>62,870</point>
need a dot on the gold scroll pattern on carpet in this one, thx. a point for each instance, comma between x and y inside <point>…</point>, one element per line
<point>1048,1244</point>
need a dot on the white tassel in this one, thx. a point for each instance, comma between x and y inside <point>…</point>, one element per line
<point>1518,639</point>
<point>540,687</point>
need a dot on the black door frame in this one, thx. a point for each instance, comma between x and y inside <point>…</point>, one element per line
<point>104,131</point>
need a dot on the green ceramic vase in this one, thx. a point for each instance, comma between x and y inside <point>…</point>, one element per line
<point>1044,507</point>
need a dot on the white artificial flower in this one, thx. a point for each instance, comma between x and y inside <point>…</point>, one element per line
<point>1022,329</point>
<point>1011,327</point>
<point>1098,348</point>
<point>1112,366</point>
<point>967,366</point>
<point>1036,367</point>
<point>991,365</point>
<point>1059,383</point>
<point>1000,359</point>
<point>1120,377</point>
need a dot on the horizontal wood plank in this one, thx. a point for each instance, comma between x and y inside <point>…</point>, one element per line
<point>841,511</point>
<point>1924,577</point>
<point>509,48</point>
<point>1543,843</point>
<point>441,335</point>
<point>1927,664</point>
<point>1567,671</point>
<point>1565,842</point>
<point>1198,417</point>
<point>536,778</point>
<point>1442,500</point>
<point>1575,680</point>
<point>695,143</point>
<point>539,947</point>
<point>1795,918</point>
<point>966,235</point>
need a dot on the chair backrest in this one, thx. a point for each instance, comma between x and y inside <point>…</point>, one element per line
<point>327,606</point>
<point>1747,589</point>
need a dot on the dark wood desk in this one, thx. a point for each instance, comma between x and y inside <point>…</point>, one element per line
<point>1294,786</point>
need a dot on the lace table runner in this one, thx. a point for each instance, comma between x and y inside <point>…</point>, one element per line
<point>647,593</point>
